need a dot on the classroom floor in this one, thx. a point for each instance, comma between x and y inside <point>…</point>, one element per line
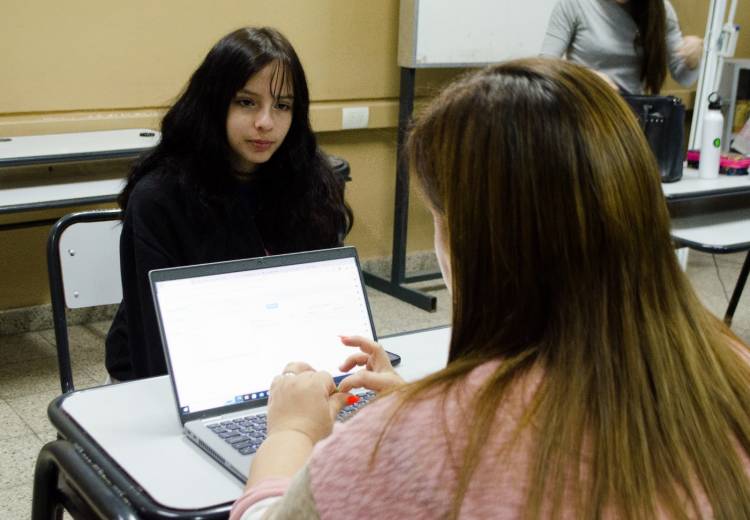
<point>29,380</point>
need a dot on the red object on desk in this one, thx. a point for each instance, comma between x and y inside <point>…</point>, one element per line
<point>729,164</point>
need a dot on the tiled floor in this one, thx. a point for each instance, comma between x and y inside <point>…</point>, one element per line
<point>29,381</point>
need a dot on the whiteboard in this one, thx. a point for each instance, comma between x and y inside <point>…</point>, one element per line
<point>450,33</point>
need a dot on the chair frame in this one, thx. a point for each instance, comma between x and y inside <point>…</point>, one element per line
<point>66,480</point>
<point>56,285</point>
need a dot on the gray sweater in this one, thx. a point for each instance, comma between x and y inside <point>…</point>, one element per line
<point>599,34</point>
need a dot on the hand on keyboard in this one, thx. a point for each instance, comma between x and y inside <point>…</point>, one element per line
<point>305,401</point>
<point>246,434</point>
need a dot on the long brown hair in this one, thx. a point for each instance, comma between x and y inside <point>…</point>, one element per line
<point>561,260</point>
<point>651,40</point>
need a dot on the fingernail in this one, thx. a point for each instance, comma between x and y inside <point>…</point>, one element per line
<point>352,399</point>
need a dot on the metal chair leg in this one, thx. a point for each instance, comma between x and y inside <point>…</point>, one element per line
<point>734,300</point>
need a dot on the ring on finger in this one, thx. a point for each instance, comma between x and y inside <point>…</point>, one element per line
<point>289,374</point>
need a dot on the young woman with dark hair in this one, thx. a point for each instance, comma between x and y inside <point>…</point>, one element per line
<point>631,43</point>
<point>237,174</point>
<point>585,378</point>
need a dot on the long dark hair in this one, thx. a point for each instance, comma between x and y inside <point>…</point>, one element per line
<point>301,202</point>
<point>562,265</point>
<point>651,40</point>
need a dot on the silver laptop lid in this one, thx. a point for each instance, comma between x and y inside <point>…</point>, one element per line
<point>229,328</point>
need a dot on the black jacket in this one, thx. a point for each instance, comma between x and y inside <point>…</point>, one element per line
<point>166,225</point>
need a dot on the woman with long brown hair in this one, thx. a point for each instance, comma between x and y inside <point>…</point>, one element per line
<point>585,378</point>
<point>631,43</point>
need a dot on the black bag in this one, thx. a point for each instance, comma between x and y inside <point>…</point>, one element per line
<point>663,121</point>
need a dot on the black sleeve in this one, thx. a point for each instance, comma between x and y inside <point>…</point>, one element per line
<point>164,226</point>
<point>151,242</point>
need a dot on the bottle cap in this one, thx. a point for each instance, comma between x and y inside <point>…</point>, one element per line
<point>714,101</point>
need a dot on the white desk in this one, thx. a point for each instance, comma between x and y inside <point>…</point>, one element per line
<point>691,186</point>
<point>22,191</point>
<point>713,216</point>
<point>720,232</point>
<point>80,146</point>
<point>59,195</point>
<point>136,425</point>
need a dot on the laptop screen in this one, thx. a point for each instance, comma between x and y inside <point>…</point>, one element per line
<point>228,335</point>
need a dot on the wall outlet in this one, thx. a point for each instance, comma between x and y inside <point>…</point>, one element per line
<point>355,117</point>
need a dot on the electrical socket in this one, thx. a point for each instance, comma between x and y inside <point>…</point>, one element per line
<point>355,117</point>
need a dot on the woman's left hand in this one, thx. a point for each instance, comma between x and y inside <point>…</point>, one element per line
<point>691,50</point>
<point>304,401</point>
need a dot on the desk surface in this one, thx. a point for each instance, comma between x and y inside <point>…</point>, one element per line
<point>81,146</point>
<point>720,232</point>
<point>47,196</point>
<point>691,186</point>
<point>30,191</point>
<point>136,423</point>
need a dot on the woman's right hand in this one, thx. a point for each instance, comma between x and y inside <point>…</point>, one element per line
<point>691,51</point>
<point>378,375</point>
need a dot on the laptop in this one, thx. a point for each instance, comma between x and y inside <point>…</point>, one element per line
<point>229,328</point>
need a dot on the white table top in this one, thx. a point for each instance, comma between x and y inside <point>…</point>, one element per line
<point>43,192</point>
<point>58,195</point>
<point>715,232</point>
<point>38,149</point>
<point>691,185</point>
<point>136,423</point>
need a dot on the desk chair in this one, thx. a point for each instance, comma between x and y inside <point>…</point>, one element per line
<point>83,262</point>
<point>718,233</point>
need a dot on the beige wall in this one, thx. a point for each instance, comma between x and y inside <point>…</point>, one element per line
<point>84,65</point>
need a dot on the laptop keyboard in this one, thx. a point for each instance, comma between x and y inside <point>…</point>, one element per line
<point>246,434</point>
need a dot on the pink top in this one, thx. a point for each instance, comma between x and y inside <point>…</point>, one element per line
<point>414,473</point>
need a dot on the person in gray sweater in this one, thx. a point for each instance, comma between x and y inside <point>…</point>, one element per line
<point>631,43</point>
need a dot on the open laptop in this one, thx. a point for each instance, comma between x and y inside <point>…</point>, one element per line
<point>229,328</point>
